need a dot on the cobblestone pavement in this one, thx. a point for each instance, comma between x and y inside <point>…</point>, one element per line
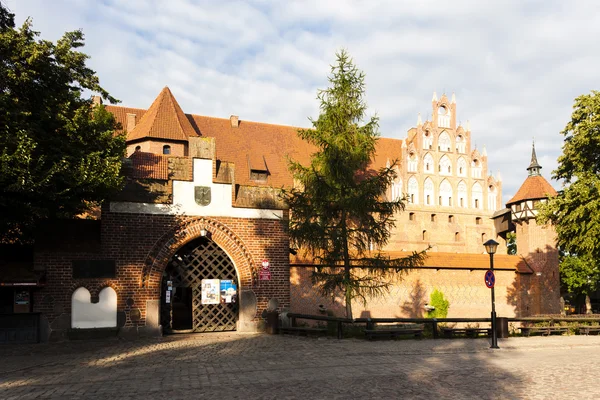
<point>231,365</point>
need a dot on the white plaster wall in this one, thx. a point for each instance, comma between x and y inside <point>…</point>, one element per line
<point>84,314</point>
<point>184,202</point>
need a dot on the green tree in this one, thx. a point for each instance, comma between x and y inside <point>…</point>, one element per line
<point>575,211</point>
<point>440,303</point>
<point>58,154</point>
<point>580,276</point>
<point>339,211</point>
<point>511,243</point>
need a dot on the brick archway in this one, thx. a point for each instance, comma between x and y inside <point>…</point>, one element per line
<point>172,240</point>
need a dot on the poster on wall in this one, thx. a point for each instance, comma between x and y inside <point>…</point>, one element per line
<point>22,297</point>
<point>228,291</point>
<point>210,291</point>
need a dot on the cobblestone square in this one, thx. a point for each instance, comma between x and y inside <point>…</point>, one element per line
<point>252,366</point>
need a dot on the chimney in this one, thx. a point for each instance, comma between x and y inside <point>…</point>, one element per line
<point>130,122</point>
<point>235,122</point>
<point>96,100</point>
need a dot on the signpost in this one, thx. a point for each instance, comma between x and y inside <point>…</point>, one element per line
<point>490,279</point>
<point>265,271</point>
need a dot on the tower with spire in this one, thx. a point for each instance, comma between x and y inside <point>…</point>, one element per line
<point>536,244</point>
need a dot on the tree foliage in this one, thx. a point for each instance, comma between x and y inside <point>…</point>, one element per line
<point>511,243</point>
<point>58,154</point>
<point>440,303</point>
<point>339,209</point>
<point>579,275</point>
<point>575,211</point>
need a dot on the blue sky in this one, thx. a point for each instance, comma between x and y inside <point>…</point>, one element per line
<point>515,66</point>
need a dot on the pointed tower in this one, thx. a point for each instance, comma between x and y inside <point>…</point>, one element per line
<point>536,244</point>
<point>163,129</point>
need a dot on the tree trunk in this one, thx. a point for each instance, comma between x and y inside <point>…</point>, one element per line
<point>348,303</point>
<point>588,304</point>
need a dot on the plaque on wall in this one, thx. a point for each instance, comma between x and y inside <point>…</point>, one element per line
<point>94,269</point>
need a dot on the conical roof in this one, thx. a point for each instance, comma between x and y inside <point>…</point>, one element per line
<point>535,186</point>
<point>163,120</point>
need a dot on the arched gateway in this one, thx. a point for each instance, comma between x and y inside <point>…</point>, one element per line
<point>199,291</point>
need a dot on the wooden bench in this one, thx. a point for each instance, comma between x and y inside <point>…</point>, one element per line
<point>544,330</point>
<point>301,330</point>
<point>587,329</point>
<point>390,333</point>
<point>470,332</point>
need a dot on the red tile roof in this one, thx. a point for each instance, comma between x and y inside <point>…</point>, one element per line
<point>534,187</point>
<point>463,261</point>
<point>163,120</point>
<point>247,145</point>
<point>149,166</point>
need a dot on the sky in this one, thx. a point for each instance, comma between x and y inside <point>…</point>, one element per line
<point>515,66</point>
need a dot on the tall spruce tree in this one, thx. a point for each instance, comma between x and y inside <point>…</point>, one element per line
<point>58,154</point>
<point>339,210</point>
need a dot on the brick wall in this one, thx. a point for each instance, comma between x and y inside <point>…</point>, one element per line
<point>142,244</point>
<point>464,289</point>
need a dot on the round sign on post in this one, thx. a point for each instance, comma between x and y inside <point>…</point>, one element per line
<point>490,279</point>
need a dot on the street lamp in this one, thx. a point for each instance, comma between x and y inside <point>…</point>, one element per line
<point>491,246</point>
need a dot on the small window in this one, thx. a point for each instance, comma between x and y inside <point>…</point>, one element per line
<point>424,235</point>
<point>412,198</point>
<point>433,217</point>
<point>258,176</point>
<point>450,218</point>
<point>411,216</point>
<point>478,220</point>
<point>138,148</point>
<point>457,236</point>
<point>450,201</point>
<point>428,199</point>
<point>462,202</point>
<point>476,203</point>
<point>440,200</point>
<point>166,149</point>
<point>483,238</point>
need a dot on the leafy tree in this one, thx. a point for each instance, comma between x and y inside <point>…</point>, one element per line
<point>340,210</point>
<point>580,276</point>
<point>575,211</point>
<point>58,154</point>
<point>511,243</point>
<point>440,303</point>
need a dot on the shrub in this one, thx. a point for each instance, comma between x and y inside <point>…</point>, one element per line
<point>440,303</point>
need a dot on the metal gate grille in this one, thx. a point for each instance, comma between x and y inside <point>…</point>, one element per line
<point>198,260</point>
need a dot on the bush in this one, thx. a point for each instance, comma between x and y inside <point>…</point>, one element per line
<point>440,303</point>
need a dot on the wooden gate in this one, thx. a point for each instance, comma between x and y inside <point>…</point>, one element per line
<point>196,261</point>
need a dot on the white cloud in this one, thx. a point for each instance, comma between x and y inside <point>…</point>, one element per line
<point>515,66</point>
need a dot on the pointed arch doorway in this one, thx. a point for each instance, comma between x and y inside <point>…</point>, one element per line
<point>199,289</point>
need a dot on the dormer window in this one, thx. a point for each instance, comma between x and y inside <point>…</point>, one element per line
<point>166,149</point>
<point>258,168</point>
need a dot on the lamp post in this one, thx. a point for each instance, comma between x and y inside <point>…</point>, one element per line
<point>491,246</point>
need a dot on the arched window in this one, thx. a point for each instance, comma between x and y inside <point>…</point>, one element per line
<point>166,149</point>
<point>428,191</point>
<point>444,143</point>
<point>413,190</point>
<point>428,164</point>
<point>427,140</point>
<point>461,166</point>
<point>412,162</point>
<point>477,194</point>
<point>397,190</point>
<point>138,148</point>
<point>446,193</point>
<point>462,194</point>
<point>460,144</point>
<point>445,165</point>
<point>492,198</point>
<point>475,169</point>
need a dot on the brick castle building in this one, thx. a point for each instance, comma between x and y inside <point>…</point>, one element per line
<point>196,241</point>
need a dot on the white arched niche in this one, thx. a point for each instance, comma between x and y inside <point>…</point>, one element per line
<point>86,315</point>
